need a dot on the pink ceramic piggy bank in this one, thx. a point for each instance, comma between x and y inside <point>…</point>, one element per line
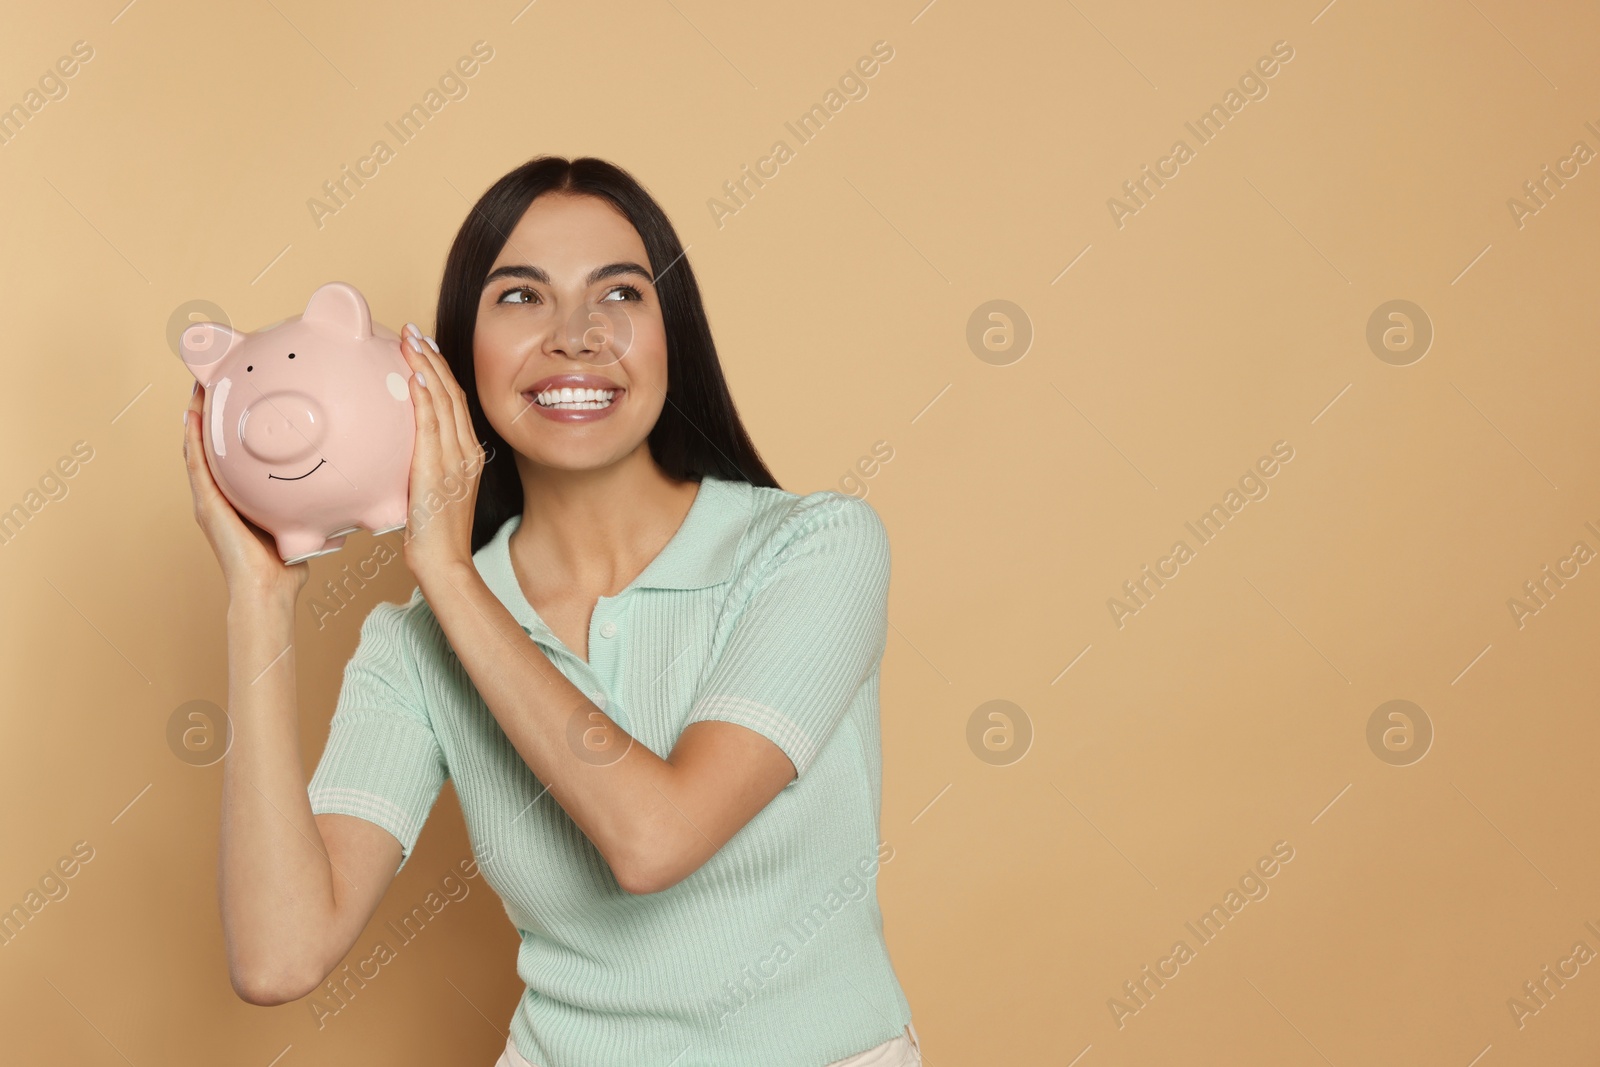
<point>308,423</point>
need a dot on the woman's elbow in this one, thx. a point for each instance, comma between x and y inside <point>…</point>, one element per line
<point>654,869</point>
<point>639,878</point>
<point>269,987</point>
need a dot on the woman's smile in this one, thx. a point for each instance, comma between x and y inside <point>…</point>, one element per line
<point>574,397</point>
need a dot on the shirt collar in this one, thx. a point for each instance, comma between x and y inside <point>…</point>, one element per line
<point>700,554</point>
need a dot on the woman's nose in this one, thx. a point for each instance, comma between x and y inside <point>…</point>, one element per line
<point>597,333</point>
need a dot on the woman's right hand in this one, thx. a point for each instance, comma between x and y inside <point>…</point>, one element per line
<point>248,554</point>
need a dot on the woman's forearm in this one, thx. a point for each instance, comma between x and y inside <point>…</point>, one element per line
<point>621,803</point>
<point>274,879</point>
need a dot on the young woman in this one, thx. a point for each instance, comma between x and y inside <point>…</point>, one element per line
<point>651,673</point>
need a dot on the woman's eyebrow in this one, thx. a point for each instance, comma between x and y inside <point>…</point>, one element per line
<point>538,274</point>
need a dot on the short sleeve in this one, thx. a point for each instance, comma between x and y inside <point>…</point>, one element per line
<point>812,632</point>
<point>382,762</point>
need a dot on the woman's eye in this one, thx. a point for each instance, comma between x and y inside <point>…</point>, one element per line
<point>519,289</point>
<point>626,289</point>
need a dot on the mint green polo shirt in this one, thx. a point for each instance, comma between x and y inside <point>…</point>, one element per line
<point>767,609</point>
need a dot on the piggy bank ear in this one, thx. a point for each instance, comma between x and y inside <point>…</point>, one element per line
<point>203,345</point>
<point>340,309</point>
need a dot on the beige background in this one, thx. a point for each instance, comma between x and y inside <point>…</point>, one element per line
<point>1228,313</point>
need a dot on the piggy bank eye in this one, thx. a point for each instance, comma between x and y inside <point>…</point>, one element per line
<point>291,355</point>
<point>249,368</point>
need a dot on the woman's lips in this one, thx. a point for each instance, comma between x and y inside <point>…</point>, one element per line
<point>574,381</point>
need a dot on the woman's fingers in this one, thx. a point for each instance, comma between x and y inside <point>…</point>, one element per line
<point>432,402</point>
<point>241,547</point>
<point>426,408</point>
<point>435,445</point>
<point>464,432</point>
<point>465,438</point>
<point>201,484</point>
<point>212,509</point>
<point>450,400</point>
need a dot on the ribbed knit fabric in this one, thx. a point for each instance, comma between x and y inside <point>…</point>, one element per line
<point>767,609</point>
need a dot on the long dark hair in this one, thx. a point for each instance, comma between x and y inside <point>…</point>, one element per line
<point>698,431</point>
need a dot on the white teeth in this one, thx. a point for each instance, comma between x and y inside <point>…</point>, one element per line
<point>575,399</point>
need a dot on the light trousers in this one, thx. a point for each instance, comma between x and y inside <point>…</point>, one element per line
<point>902,1050</point>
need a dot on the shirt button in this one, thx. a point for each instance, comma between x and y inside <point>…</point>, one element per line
<point>608,630</point>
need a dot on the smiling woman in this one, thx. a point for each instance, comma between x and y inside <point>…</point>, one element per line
<point>604,332</point>
<point>622,610</point>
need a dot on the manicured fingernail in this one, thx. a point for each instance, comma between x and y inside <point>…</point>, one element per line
<point>411,329</point>
<point>433,345</point>
<point>421,380</point>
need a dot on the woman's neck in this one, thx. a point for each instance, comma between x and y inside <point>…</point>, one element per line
<point>596,530</point>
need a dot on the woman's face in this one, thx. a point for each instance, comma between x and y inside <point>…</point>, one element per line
<point>570,303</point>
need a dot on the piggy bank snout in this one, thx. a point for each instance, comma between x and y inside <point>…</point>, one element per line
<point>283,427</point>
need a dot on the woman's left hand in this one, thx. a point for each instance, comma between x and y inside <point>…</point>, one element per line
<point>446,462</point>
